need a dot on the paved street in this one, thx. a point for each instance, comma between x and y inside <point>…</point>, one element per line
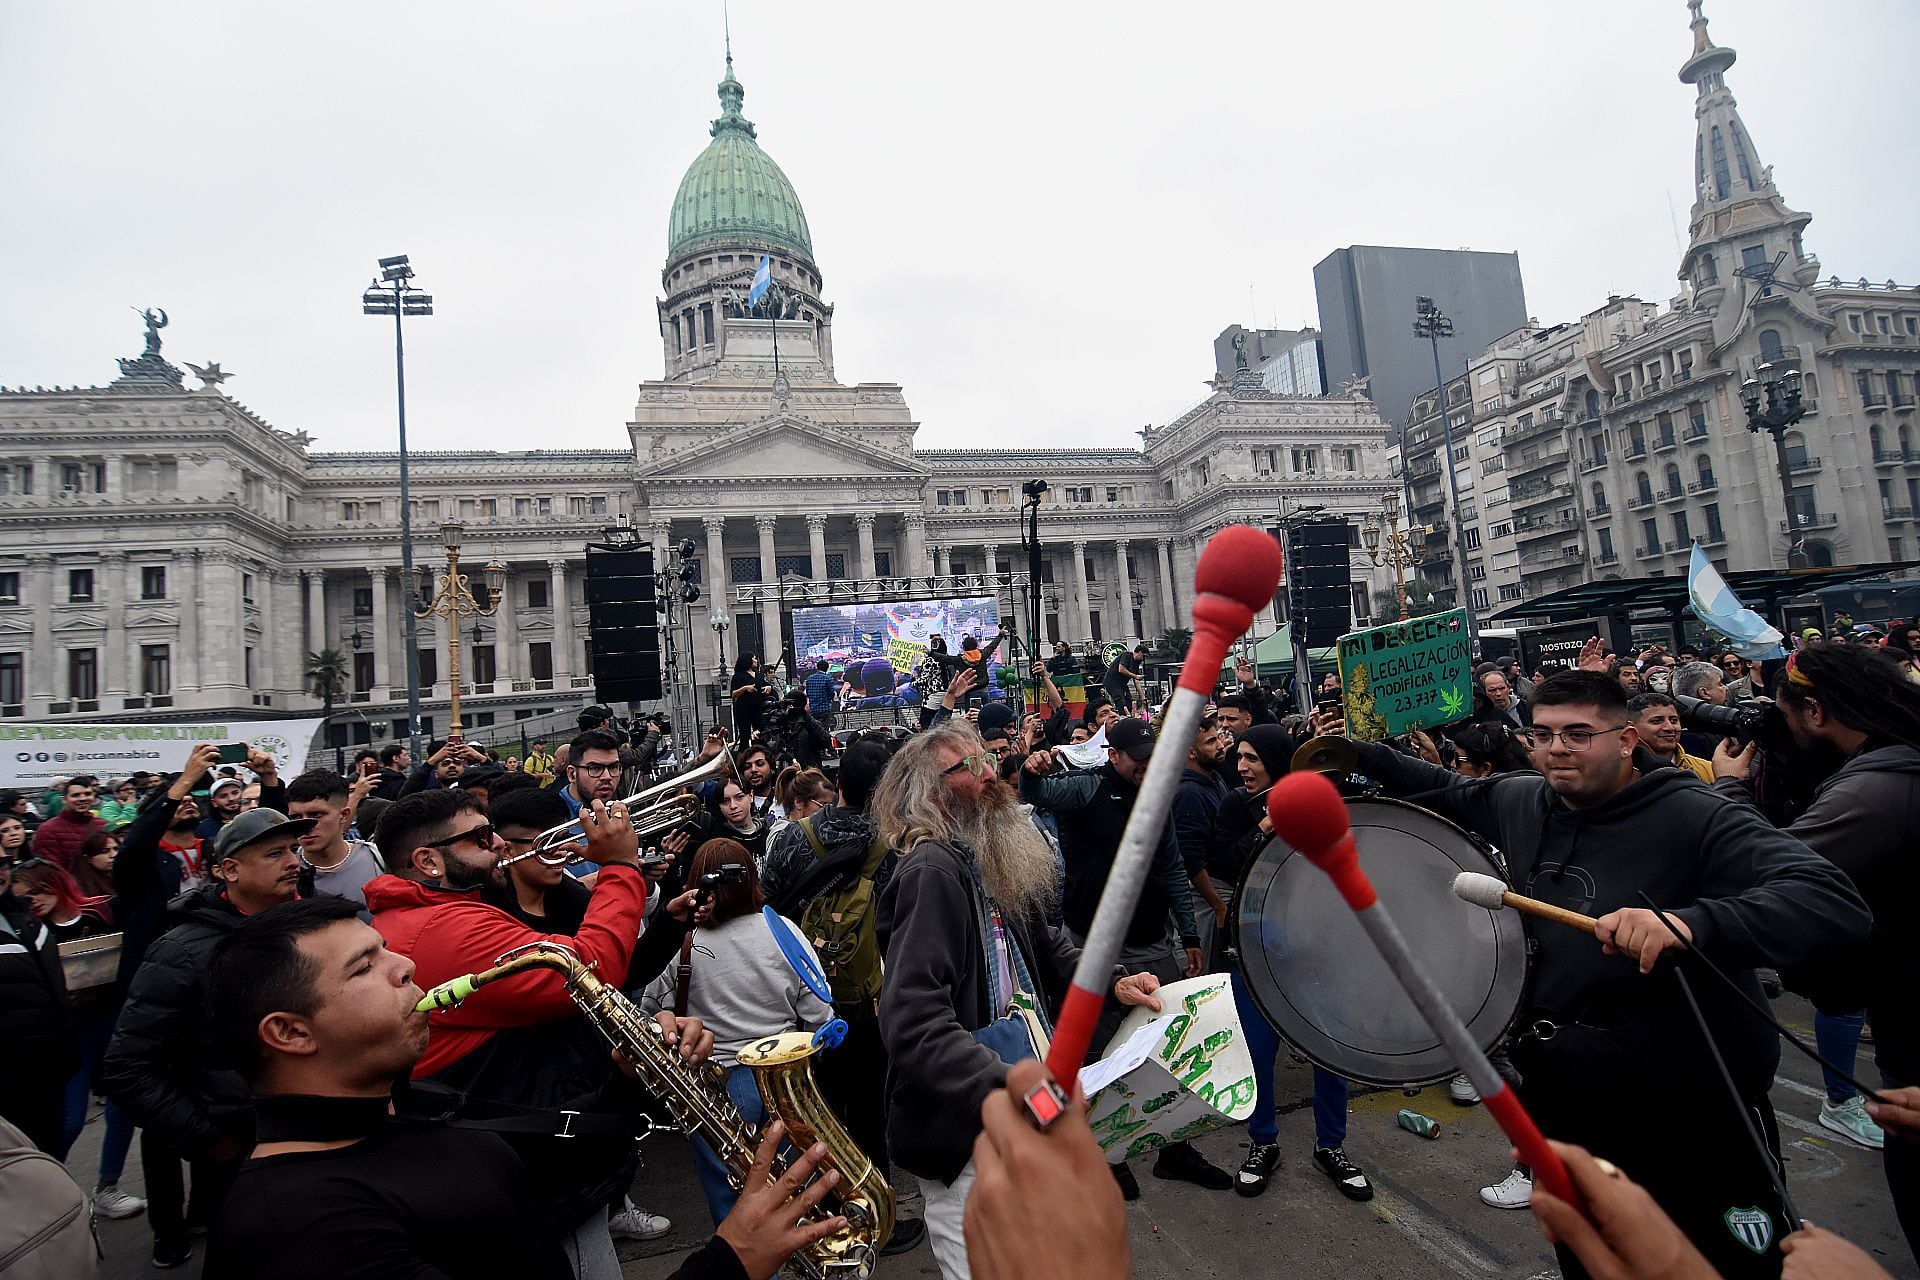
<point>1426,1221</point>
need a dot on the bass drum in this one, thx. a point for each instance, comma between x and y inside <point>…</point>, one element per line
<point>1315,974</point>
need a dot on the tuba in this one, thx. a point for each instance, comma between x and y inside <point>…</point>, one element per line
<point>696,1098</point>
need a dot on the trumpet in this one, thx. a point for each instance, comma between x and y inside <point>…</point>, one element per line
<point>654,812</point>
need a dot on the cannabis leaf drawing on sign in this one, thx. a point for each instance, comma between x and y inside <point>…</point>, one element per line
<point>1453,704</point>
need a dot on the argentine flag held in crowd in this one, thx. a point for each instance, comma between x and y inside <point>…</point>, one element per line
<point>762,281</point>
<point>1748,634</point>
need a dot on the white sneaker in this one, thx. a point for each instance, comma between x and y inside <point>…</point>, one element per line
<point>1461,1090</point>
<point>635,1223</point>
<point>1515,1191</point>
<point>1850,1120</point>
<point>109,1201</point>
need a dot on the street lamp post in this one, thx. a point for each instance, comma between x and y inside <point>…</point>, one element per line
<point>391,295</point>
<point>1431,324</point>
<point>719,621</point>
<point>1785,405</point>
<point>1398,548</point>
<point>454,601</point>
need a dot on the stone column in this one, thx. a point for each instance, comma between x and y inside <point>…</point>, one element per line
<point>769,599</point>
<point>316,609</point>
<point>129,643</point>
<point>992,552</point>
<point>186,649</point>
<point>506,640</point>
<point>220,593</point>
<point>1169,605</point>
<point>382,642</point>
<point>562,623</point>
<point>915,523</point>
<point>43,664</point>
<point>110,589</point>
<point>863,528</point>
<point>817,546</point>
<point>1123,593</point>
<point>286,668</point>
<point>943,560</point>
<point>1085,614</point>
<point>704,638</point>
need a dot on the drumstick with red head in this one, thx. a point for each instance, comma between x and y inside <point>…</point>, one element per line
<point>1308,813</point>
<point>1239,571</point>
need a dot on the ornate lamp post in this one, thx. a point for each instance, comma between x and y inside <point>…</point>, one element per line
<point>719,621</point>
<point>1399,549</point>
<point>1785,405</point>
<point>454,601</point>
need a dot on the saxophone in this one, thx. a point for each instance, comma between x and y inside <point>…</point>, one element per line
<point>696,1098</point>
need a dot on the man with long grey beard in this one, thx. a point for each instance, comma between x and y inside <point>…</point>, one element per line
<point>964,915</point>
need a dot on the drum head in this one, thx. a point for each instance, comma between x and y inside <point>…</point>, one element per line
<point>1315,974</point>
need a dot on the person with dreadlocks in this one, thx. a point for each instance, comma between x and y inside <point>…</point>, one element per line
<point>1855,703</point>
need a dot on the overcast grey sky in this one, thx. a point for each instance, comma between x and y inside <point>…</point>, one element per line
<point>1034,217</point>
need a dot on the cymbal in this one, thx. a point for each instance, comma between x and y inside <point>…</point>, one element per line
<point>1331,754</point>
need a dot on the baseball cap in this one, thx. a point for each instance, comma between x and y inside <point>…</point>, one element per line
<point>1131,736</point>
<point>255,825</point>
<point>481,775</point>
<point>996,721</point>
<point>223,784</point>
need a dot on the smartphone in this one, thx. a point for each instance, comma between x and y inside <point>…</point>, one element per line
<point>233,753</point>
<point>1328,702</point>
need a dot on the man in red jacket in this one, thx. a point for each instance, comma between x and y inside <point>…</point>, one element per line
<point>521,1042</point>
<point>59,838</point>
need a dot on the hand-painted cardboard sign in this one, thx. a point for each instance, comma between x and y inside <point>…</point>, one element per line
<point>1172,1075</point>
<point>1407,675</point>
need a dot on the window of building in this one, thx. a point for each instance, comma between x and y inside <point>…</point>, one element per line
<point>1502,530</point>
<point>246,587</point>
<point>10,587</point>
<point>1599,499</point>
<point>429,667</point>
<point>706,323</point>
<point>83,477</point>
<point>743,569</point>
<point>527,508</point>
<point>1704,469</point>
<point>13,683</point>
<point>1479,595</point>
<point>1649,535</point>
<point>1470,538</point>
<point>837,566</point>
<point>1681,534</point>
<point>1303,460</point>
<point>1771,348</point>
<point>153,582</point>
<point>16,478</point>
<point>1511,591</point>
<point>1460,453</point>
<point>1853,321</point>
<point>352,511</point>
<point>582,506</point>
<point>1711,514</point>
<point>536,593</point>
<point>1642,487</point>
<point>1885,324</point>
<point>152,475</point>
<point>797,565</point>
<point>1605,537</point>
<point>883,565</point>
<point>1754,255</point>
<point>950,497</point>
<point>362,672</point>
<point>1674,487</point>
<point>484,672</point>
<point>1476,572</point>
<point>540,660</point>
<point>1709,269</point>
<point>83,674</point>
<point>156,670</point>
<point>1864,382</point>
<point>79,586</point>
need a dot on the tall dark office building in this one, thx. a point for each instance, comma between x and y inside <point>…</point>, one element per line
<point>1366,295</point>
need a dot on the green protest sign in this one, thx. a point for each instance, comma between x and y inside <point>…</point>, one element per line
<point>1407,675</point>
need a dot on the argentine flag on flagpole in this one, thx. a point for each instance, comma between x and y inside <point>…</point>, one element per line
<point>762,281</point>
<point>1714,603</point>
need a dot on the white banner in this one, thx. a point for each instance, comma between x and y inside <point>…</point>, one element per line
<point>1172,1075</point>
<point>33,755</point>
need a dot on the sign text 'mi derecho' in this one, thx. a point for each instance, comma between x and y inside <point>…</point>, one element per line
<point>1406,675</point>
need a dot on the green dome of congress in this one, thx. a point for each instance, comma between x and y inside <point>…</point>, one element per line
<point>734,194</point>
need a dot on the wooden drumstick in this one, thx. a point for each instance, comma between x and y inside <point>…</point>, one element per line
<point>1493,894</point>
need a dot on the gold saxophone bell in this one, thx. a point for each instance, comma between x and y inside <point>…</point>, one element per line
<point>654,812</point>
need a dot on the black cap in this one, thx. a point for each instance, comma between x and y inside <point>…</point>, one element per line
<point>996,721</point>
<point>1131,736</point>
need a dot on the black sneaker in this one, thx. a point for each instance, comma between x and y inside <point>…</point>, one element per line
<point>1129,1185</point>
<point>167,1257</point>
<point>1346,1175</point>
<point>907,1235</point>
<point>1262,1159</point>
<point>1182,1163</point>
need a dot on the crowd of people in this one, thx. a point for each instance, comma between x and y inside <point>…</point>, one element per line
<point>276,937</point>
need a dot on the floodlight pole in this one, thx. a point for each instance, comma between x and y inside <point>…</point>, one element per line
<point>1431,324</point>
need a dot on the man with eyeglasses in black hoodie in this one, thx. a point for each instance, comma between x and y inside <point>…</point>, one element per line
<point>1609,1054</point>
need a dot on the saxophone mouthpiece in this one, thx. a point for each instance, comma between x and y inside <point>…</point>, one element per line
<point>446,995</point>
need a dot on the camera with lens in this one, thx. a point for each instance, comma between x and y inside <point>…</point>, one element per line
<point>1755,721</point>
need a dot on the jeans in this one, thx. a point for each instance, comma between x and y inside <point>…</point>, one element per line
<point>1263,1045</point>
<point>93,1030</point>
<point>946,1210</point>
<point>1837,1036</point>
<point>589,1250</point>
<point>713,1174</point>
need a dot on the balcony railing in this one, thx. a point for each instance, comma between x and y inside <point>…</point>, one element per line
<point>1803,464</point>
<point>1666,442</point>
<point>1696,431</point>
<point>1635,501</point>
<point>1646,553</point>
<point>1541,493</point>
<point>1706,485</point>
<point>1637,449</point>
<point>1607,557</point>
<point>1670,495</point>
<point>1593,464</point>
<point>1714,538</point>
<point>1891,512</point>
<point>1594,513</point>
<point>1811,520</point>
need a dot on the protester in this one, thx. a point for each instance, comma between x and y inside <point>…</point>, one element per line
<point>36,1027</point>
<point>1122,675</point>
<point>325,1018</point>
<point>1196,806</point>
<point>731,809</point>
<point>93,867</point>
<point>754,766</point>
<point>968,902</point>
<point>223,806</point>
<point>1621,1040</point>
<point>188,1105</point>
<point>340,866</point>
<point>751,691</point>
<point>59,838</point>
<point>1737,678</point>
<point>119,804</point>
<point>1498,702</point>
<point>1656,718</point>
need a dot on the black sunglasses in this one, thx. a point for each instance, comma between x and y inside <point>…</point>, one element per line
<point>481,835</point>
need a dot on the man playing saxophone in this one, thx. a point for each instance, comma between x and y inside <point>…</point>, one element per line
<point>520,1045</point>
<point>322,1017</point>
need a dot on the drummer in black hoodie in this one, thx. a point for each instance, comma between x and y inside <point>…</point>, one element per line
<point>1609,1055</point>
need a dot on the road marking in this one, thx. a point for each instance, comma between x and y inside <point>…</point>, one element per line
<point>1794,1086</point>
<point>1792,1121</point>
<point>1433,1238</point>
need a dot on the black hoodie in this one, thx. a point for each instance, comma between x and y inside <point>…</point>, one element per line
<point>1751,895</point>
<point>1865,819</point>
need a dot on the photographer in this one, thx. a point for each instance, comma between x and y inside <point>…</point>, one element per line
<point>797,734</point>
<point>1853,702</point>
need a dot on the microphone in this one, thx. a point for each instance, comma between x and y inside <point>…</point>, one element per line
<point>1238,572</point>
<point>1308,814</point>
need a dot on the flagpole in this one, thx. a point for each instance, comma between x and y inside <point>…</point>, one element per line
<point>773,319</point>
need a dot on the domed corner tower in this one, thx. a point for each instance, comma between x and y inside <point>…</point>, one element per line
<point>733,206</point>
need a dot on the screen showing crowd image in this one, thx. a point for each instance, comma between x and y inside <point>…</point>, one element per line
<point>880,646</point>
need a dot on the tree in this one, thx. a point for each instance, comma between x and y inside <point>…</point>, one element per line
<point>1173,642</point>
<point>327,673</point>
